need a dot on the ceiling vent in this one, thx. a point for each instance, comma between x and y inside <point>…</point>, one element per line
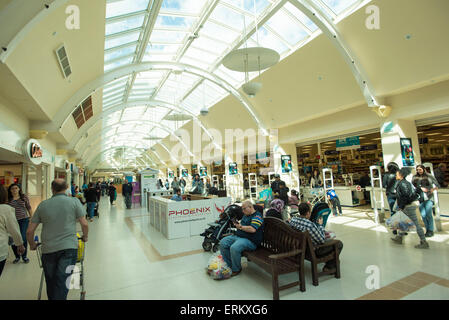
<point>63,61</point>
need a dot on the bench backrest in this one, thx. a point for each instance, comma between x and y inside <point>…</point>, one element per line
<point>279,237</point>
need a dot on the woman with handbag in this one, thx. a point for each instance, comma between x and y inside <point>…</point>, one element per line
<point>425,184</point>
<point>8,226</point>
<point>406,198</point>
<point>22,207</point>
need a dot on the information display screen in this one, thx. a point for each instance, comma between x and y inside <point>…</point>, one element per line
<point>203,171</point>
<point>286,162</point>
<point>233,168</point>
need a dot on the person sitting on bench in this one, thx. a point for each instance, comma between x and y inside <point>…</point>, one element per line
<point>317,233</point>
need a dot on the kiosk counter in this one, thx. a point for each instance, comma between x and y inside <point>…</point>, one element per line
<point>182,219</point>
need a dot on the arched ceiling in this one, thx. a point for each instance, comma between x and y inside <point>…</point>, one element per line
<point>201,32</point>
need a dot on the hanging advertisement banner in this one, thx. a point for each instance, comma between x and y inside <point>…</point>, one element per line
<point>408,160</point>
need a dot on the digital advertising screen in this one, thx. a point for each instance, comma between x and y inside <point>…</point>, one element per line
<point>286,162</point>
<point>171,174</point>
<point>233,168</point>
<point>408,159</point>
<point>185,173</point>
<point>203,171</point>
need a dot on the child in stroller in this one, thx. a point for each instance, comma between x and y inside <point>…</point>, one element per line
<point>221,227</point>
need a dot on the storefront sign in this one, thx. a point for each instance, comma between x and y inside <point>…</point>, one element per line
<point>408,159</point>
<point>33,151</point>
<point>286,163</point>
<point>348,143</point>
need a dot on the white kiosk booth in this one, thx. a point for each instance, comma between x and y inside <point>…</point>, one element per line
<point>182,219</point>
<point>149,185</point>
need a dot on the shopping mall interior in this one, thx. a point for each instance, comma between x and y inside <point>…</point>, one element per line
<point>235,93</point>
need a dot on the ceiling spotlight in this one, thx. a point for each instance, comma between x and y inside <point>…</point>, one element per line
<point>204,111</point>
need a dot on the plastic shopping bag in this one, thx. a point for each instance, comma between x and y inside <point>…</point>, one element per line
<point>217,268</point>
<point>400,221</point>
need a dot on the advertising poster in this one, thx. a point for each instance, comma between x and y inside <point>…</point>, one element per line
<point>171,174</point>
<point>203,171</point>
<point>233,168</point>
<point>286,162</point>
<point>185,173</point>
<point>408,159</point>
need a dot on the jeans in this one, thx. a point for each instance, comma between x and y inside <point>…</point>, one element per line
<point>57,275</point>
<point>231,248</point>
<point>336,203</point>
<point>426,213</point>
<point>128,201</point>
<point>91,209</point>
<point>391,202</point>
<point>23,226</point>
<point>324,251</point>
<point>410,211</point>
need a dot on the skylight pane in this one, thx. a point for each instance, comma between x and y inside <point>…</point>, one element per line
<point>300,16</point>
<point>118,63</point>
<point>266,39</point>
<point>121,7</point>
<point>165,21</point>
<point>248,5</point>
<point>231,17</point>
<point>119,53</point>
<point>218,32</point>
<point>183,6</point>
<point>195,63</point>
<point>159,57</point>
<point>289,30</point>
<point>162,48</point>
<point>338,6</point>
<point>210,45</point>
<point>125,24</point>
<point>168,36</point>
<point>201,55</point>
<point>118,41</point>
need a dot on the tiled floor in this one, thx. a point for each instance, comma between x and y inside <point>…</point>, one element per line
<point>127,259</point>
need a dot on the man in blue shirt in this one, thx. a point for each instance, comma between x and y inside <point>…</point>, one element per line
<point>248,237</point>
<point>177,195</point>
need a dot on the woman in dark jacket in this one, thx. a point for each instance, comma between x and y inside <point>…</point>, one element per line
<point>389,183</point>
<point>406,197</point>
<point>424,184</point>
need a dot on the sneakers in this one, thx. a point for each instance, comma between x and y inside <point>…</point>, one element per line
<point>397,239</point>
<point>429,234</point>
<point>16,260</point>
<point>26,260</point>
<point>422,245</point>
<point>234,273</point>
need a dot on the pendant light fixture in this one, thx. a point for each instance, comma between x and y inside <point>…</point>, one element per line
<point>251,59</point>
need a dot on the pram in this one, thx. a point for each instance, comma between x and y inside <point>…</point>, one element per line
<point>221,228</point>
<point>320,209</point>
<point>318,196</point>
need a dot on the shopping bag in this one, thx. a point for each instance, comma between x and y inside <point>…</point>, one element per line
<point>217,268</point>
<point>400,221</point>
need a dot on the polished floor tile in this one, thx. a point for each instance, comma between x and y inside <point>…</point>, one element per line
<point>126,258</point>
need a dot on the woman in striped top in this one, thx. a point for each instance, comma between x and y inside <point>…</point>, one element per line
<point>21,205</point>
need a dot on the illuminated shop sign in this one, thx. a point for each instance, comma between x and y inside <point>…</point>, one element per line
<point>33,151</point>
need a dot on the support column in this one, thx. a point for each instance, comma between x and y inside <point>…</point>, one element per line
<point>391,132</point>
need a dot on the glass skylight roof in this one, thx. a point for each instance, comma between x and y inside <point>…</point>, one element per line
<point>177,36</point>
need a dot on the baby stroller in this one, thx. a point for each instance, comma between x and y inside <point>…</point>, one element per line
<point>320,209</point>
<point>221,228</point>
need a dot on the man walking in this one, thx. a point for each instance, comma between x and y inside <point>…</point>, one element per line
<point>91,199</point>
<point>127,191</point>
<point>58,216</point>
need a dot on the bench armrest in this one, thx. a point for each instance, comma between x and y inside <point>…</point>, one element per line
<point>326,244</point>
<point>285,254</point>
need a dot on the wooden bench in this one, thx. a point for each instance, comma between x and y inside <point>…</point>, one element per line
<point>282,251</point>
<point>311,256</point>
